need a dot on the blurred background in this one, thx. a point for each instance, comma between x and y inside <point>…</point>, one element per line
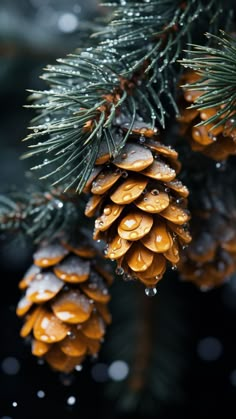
<point>34,33</point>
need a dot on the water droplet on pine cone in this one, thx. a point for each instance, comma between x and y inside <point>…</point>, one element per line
<point>119,270</point>
<point>127,277</point>
<point>150,291</point>
<point>155,192</point>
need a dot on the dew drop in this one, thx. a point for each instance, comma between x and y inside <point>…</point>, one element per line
<point>150,291</point>
<point>71,400</point>
<point>142,139</point>
<point>78,368</point>
<point>127,277</point>
<point>107,210</point>
<point>155,192</point>
<point>119,270</point>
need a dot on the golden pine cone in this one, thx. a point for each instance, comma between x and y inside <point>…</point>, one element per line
<point>142,208</point>
<point>211,257</point>
<point>65,304</point>
<point>218,143</point>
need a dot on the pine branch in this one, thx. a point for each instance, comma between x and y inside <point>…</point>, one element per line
<point>126,74</point>
<point>217,68</point>
<point>38,214</point>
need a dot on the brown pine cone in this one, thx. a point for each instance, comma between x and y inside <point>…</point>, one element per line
<point>142,208</point>
<point>210,259</point>
<point>218,143</point>
<point>65,304</point>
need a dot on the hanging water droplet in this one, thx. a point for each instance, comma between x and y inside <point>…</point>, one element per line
<point>71,400</point>
<point>155,192</point>
<point>142,139</point>
<point>78,368</point>
<point>119,270</point>
<point>221,166</point>
<point>127,277</point>
<point>150,291</point>
<point>57,203</point>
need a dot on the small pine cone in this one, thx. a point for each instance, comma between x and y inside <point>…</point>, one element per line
<point>211,257</point>
<point>65,304</point>
<point>218,143</point>
<point>142,208</point>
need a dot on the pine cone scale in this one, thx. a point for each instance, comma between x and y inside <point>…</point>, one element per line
<point>40,348</point>
<point>158,240</point>
<point>153,203</point>
<point>104,181</point>
<point>72,307</point>
<point>73,270</point>
<point>135,225</point>
<point>128,191</point>
<point>158,170</point>
<point>43,288</point>
<point>134,157</point>
<point>48,328</point>
<point>74,344</point>
<point>139,258</point>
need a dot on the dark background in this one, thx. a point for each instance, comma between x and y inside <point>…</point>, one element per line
<point>32,33</point>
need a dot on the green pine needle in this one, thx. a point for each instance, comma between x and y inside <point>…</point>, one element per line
<point>217,68</point>
<point>38,214</point>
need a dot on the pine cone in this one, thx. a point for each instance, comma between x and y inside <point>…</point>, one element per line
<point>218,143</point>
<point>210,259</point>
<point>142,207</point>
<point>65,304</point>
